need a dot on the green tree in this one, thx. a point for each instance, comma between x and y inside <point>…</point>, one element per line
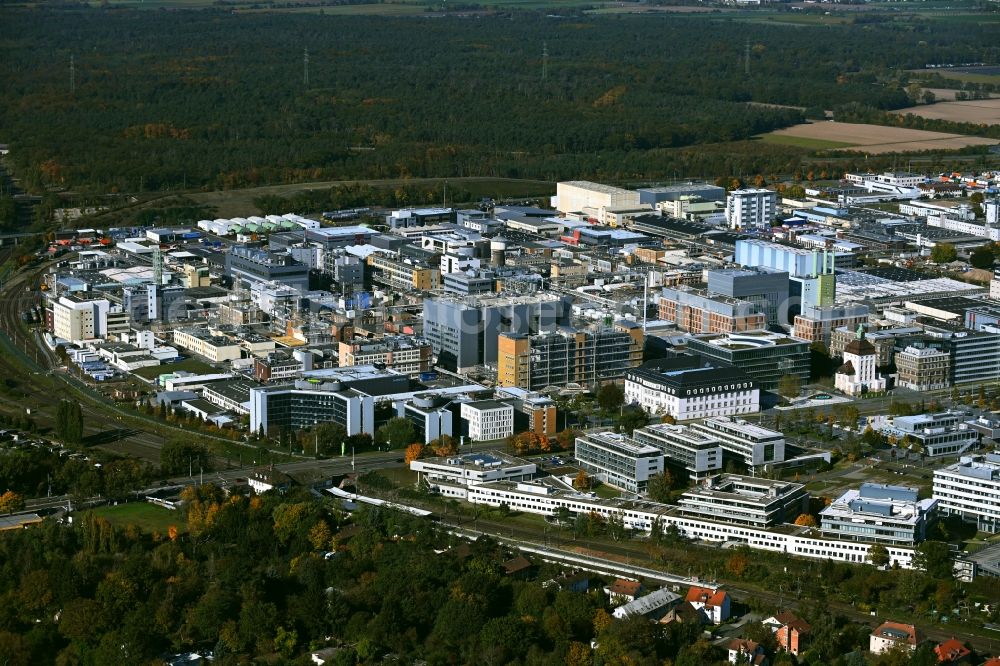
<point>943,253</point>
<point>329,438</point>
<point>934,557</point>
<point>878,555</point>
<point>632,418</point>
<point>982,257</point>
<point>660,486</point>
<point>181,457</point>
<point>397,433</point>
<point>69,422</point>
<point>610,397</point>
<point>790,386</point>
<point>8,213</point>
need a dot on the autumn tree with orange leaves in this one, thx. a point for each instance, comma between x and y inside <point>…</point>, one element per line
<point>414,451</point>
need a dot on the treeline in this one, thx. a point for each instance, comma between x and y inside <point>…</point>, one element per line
<point>209,99</point>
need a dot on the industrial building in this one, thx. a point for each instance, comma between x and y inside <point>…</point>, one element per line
<point>464,332</point>
<point>569,356</point>
<point>765,288</point>
<point>699,311</point>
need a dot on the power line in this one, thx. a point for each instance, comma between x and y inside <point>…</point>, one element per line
<point>545,60</point>
<point>72,75</point>
<point>305,66</point>
<point>746,59</point>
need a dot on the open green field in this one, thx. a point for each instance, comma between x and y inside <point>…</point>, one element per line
<point>802,142</point>
<point>188,365</point>
<point>231,203</point>
<point>964,77</point>
<point>146,516</point>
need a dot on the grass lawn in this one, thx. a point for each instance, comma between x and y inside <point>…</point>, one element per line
<point>403,477</point>
<point>803,142</point>
<point>188,364</point>
<point>605,491</point>
<point>148,517</point>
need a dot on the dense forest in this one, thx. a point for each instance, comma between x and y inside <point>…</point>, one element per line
<point>268,579</point>
<point>209,99</point>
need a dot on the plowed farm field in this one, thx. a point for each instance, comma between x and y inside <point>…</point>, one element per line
<point>873,139</point>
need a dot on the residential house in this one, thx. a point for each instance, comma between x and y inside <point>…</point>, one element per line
<point>518,567</point>
<point>889,635</point>
<point>684,613</point>
<point>952,651</point>
<point>789,630</point>
<point>622,591</point>
<point>744,650</point>
<point>714,603</point>
<point>263,480</point>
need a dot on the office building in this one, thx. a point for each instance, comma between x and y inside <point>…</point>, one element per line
<point>767,289</point>
<point>401,353</point>
<point>975,356</point>
<point>214,348</point>
<point>940,434</point>
<point>752,444</point>
<point>469,469</point>
<point>286,364</point>
<point>488,420</point>
<point>464,331</point>
<point>923,368</point>
<point>700,311</point>
<point>897,183</point>
<point>534,412</point>
<point>745,500</point>
<point>751,209</point>
<point>543,499</point>
<point>885,340</point>
<point>877,513</point>
<point>698,453</point>
<point>232,396</point>
<point>569,355</point>
<point>618,460</point>
<point>684,389</point>
<point>766,357</point>
<point>970,489</point>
